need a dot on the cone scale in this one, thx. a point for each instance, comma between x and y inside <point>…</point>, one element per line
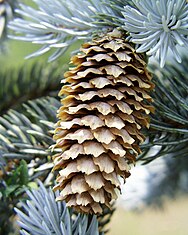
<point>100,121</point>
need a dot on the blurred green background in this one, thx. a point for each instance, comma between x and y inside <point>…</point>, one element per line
<point>172,220</point>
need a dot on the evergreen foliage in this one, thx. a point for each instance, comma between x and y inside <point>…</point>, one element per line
<point>46,216</point>
<point>28,79</point>
<point>156,27</point>
<point>29,104</point>
<point>57,24</point>
<point>28,136</point>
<point>169,124</point>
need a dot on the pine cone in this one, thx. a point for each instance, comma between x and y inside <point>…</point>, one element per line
<point>100,121</point>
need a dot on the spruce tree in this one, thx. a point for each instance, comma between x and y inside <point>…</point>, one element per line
<point>67,135</point>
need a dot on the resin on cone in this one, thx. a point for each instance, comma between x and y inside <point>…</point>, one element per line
<point>100,121</point>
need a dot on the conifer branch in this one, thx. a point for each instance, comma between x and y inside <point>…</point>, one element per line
<point>27,134</point>
<point>169,125</point>
<point>43,215</point>
<point>26,83</point>
<point>154,27</point>
<point>157,26</point>
<point>56,25</point>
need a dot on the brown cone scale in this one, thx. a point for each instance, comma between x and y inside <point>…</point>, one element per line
<point>100,122</point>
